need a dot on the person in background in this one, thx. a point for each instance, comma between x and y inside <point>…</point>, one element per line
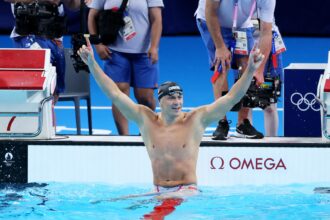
<point>47,37</point>
<point>132,60</point>
<point>228,37</point>
<point>273,72</point>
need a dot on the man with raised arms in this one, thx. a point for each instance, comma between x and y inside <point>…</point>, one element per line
<point>172,137</point>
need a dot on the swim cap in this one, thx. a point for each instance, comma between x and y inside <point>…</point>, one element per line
<point>168,88</point>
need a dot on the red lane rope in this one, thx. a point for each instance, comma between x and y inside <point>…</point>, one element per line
<point>164,209</point>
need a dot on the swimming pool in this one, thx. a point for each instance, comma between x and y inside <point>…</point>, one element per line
<point>91,201</point>
<point>85,173</point>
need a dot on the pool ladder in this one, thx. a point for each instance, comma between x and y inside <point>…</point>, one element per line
<point>323,98</point>
<point>39,114</point>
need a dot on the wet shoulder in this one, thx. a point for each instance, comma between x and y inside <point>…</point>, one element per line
<point>148,113</point>
<point>197,112</point>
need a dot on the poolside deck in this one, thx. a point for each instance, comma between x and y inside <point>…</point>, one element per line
<point>206,141</point>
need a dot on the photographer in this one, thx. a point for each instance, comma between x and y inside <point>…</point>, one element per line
<point>130,55</point>
<point>226,30</point>
<point>41,24</point>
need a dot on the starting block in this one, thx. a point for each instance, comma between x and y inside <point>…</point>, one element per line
<point>27,82</point>
<point>323,94</point>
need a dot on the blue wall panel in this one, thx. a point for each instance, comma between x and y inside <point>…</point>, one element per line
<point>294,17</point>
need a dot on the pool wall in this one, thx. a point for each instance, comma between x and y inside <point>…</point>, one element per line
<point>115,161</point>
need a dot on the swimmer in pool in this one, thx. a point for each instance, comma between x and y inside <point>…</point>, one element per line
<point>172,137</point>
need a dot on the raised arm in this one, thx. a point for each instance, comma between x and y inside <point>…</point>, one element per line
<point>218,109</point>
<point>127,107</point>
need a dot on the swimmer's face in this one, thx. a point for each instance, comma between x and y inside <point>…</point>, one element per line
<point>172,104</point>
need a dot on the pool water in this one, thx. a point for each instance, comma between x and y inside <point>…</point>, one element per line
<point>98,201</point>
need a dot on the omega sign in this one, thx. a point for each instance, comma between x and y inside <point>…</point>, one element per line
<point>258,163</point>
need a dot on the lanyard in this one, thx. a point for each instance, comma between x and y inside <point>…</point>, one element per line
<point>235,16</point>
<point>273,54</point>
<point>275,35</point>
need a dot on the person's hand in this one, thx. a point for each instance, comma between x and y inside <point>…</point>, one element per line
<point>153,55</point>
<point>255,59</point>
<point>103,51</point>
<point>223,57</point>
<point>86,52</point>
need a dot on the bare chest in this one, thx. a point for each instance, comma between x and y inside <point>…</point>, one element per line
<point>176,135</point>
<point>176,141</point>
<point>182,136</point>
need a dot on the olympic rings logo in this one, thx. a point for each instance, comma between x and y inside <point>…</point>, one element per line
<point>303,103</point>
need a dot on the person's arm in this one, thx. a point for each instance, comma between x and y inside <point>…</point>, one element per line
<point>265,45</point>
<point>91,21</point>
<point>102,50</point>
<point>221,106</point>
<point>155,15</point>
<point>126,106</point>
<point>222,54</point>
